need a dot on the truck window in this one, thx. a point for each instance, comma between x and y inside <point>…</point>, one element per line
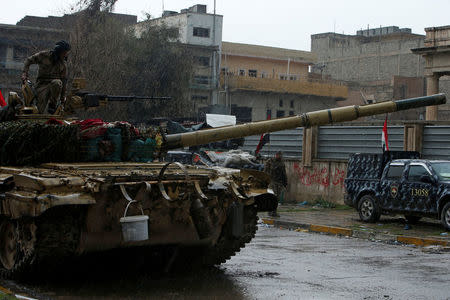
<point>395,172</point>
<point>442,169</point>
<point>415,172</point>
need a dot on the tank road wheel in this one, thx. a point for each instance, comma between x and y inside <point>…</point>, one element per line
<point>368,209</point>
<point>17,241</point>
<point>445,216</point>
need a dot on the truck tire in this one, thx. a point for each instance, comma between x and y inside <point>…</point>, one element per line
<point>412,219</point>
<point>445,216</point>
<point>368,209</point>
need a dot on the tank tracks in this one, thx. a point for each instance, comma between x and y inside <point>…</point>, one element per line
<point>41,244</point>
<point>45,243</point>
<point>227,245</point>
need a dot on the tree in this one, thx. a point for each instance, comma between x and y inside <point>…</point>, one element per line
<point>114,61</point>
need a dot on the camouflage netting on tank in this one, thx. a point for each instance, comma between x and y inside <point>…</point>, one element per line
<point>30,143</point>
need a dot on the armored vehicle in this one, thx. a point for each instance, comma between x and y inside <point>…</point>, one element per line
<point>68,189</point>
<point>398,182</point>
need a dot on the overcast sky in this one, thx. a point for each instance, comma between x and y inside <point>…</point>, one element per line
<point>277,23</point>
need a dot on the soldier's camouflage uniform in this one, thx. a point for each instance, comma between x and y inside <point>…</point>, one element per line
<point>277,170</point>
<point>51,79</point>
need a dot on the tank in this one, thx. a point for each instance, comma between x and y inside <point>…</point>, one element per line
<point>62,202</point>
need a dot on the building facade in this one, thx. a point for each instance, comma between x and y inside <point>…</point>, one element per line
<point>259,82</point>
<point>436,52</point>
<point>16,44</point>
<point>202,32</point>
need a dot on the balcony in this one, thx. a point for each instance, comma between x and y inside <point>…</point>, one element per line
<point>303,87</point>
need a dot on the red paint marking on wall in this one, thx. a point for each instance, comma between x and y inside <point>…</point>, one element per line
<point>321,177</point>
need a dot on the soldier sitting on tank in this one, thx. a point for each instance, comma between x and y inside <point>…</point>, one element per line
<point>276,169</point>
<point>51,79</point>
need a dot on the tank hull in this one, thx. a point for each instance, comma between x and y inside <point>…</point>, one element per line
<point>186,207</point>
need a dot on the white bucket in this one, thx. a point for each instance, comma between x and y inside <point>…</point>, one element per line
<point>134,228</point>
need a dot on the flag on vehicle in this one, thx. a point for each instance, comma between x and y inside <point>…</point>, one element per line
<point>265,138</point>
<point>2,100</point>
<point>384,137</point>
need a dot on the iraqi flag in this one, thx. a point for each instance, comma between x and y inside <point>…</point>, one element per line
<point>384,137</point>
<point>2,100</point>
<point>265,138</point>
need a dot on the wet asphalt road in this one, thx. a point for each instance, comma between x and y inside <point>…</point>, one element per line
<point>277,264</point>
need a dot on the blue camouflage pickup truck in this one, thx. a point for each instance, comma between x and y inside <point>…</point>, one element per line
<point>398,182</point>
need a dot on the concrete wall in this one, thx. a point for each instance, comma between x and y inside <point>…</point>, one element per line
<point>357,58</point>
<point>324,179</point>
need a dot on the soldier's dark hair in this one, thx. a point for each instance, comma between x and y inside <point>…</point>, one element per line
<point>60,47</point>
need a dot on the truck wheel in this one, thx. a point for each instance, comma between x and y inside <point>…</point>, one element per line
<point>445,216</point>
<point>412,219</point>
<point>368,209</point>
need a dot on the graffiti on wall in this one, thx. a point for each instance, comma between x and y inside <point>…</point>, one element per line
<point>319,176</point>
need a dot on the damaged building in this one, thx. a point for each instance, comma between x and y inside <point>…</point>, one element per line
<point>377,64</point>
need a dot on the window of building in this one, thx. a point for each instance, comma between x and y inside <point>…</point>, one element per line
<point>198,79</point>
<point>403,89</point>
<point>293,77</point>
<point>264,75</point>
<point>291,105</point>
<point>3,50</point>
<point>201,32</point>
<point>395,172</point>
<point>281,103</point>
<point>202,60</point>
<point>201,98</point>
<point>242,72</point>
<point>252,73</point>
<point>269,114</point>
<point>280,113</point>
<point>283,77</point>
<point>20,53</point>
<point>291,113</point>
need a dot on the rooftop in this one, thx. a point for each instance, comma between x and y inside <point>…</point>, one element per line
<point>268,52</point>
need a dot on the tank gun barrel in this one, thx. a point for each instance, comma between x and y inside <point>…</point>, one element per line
<point>321,117</point>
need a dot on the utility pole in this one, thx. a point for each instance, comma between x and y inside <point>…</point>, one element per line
<point>214,68</point>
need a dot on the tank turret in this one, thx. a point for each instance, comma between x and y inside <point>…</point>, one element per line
<point>321,117</point>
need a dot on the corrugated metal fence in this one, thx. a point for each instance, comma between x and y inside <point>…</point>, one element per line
<point>436,142</point>
<point>287,141</point>
<point>338,142</point>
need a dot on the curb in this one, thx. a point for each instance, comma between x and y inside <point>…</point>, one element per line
<point>332,230</point>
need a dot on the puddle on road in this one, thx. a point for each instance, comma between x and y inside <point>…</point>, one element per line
<point>90,280</point>
<point>254,274</point>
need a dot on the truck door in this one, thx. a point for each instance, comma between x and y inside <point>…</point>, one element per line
<point>420,193</point>
<point>391,185</point>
